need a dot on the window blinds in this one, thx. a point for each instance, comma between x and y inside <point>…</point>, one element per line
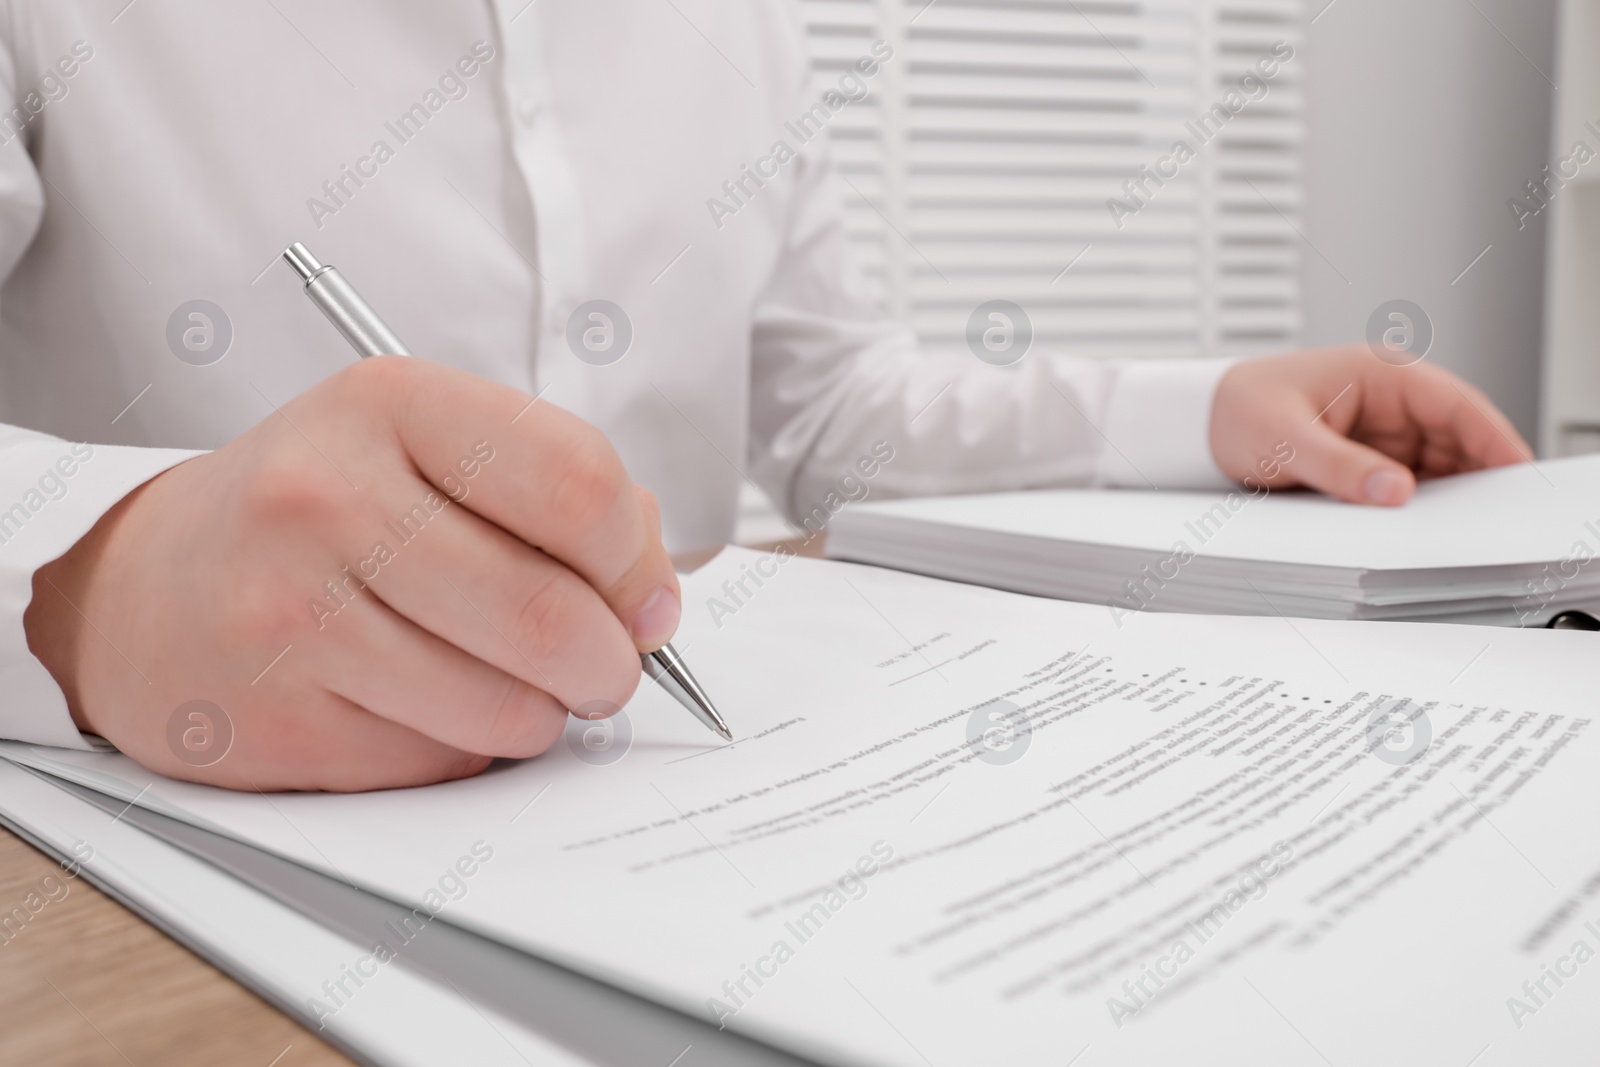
<point>985,160</point>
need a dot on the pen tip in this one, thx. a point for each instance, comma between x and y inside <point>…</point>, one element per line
<point>727,734</point>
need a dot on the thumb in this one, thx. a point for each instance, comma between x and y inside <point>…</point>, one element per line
<point>1340,467</point>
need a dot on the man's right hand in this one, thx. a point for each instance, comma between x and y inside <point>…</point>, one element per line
<point>359,628</point>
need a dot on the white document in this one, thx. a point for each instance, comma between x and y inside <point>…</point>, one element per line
<point>1184,839</point>
<point>403,1020</point>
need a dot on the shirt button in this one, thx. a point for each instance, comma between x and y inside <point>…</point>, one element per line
<point>528,109</point>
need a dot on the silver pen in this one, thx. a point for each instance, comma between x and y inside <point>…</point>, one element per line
<point>370,336</point>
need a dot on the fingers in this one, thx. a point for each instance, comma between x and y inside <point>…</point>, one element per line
<point>1333,463</point>
<point>305,741</point>
<point>1418,420</point>
<point>538,472</point>
<point>1364,430</point>
<point>1458,417</point>
<point>397,670</point>
<point>474,586</point>
<point>309,747</point>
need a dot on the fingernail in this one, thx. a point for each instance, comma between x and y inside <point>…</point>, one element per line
<point>657,621</point>
<point>1387,486</point>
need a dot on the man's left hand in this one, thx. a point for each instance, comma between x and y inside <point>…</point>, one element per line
<point>1361,429</point>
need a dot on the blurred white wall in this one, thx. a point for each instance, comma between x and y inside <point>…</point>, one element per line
<point>1423,117</point>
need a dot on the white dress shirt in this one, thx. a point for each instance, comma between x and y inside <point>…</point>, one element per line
<point>478,170</point>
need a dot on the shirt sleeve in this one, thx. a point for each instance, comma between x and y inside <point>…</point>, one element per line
<point>1157,425</point>
<point>51,493</point>
<point>830,381</point>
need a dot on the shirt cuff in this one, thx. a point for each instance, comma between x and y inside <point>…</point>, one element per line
<point>51,493</point>
<point>1158,425</point>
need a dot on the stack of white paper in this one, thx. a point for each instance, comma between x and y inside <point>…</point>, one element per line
<point>1512,546</point>
<point>305,942</point>
<point>962,826</point>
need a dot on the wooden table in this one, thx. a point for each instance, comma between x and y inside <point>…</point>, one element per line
<point>89,982</point>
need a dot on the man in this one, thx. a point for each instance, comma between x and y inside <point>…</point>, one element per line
<point>388,574</point>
